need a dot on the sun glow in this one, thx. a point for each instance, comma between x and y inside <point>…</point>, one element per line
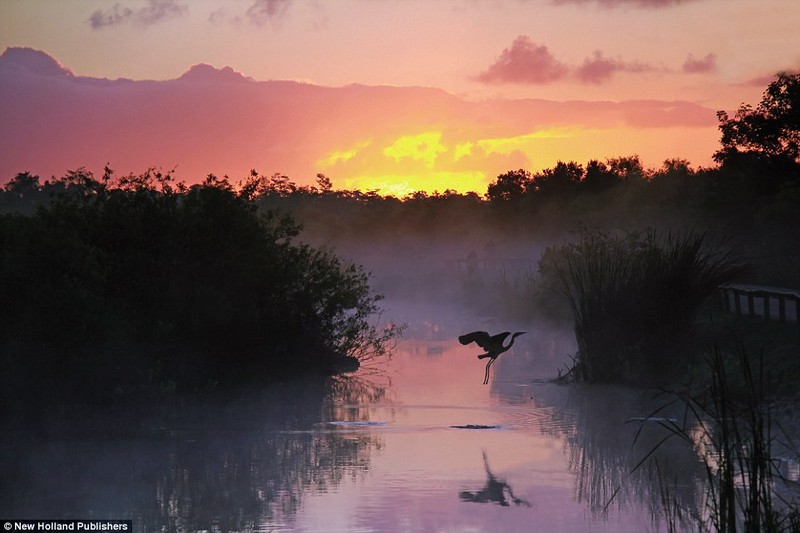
<point>455,159</point>
<point>424,147</point>
<point>343,155</point>
<point>401,186</point>
<point>525,142</point>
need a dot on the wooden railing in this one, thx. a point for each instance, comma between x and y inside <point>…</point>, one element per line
<point>771,303</point>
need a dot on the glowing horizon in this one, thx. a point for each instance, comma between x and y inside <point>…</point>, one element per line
<point>390,101</point>
<point>433,165</point>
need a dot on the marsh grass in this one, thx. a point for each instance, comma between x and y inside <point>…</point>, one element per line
<point>735,437</point>
<point>633,298</point>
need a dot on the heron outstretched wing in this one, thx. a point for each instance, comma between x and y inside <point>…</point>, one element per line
<point>492,344</point>
<point>481,338</point>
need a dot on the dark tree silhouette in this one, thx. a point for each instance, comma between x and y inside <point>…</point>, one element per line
<point>560,181</point>
<point>760,152</point>
<point>628,169</point>
<point>598,178</point>
<point>23,184</point>
<point>510,186</point>
<point>770,130</point>
<point>193,284</point>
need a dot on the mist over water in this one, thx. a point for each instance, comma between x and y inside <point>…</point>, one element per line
<point>413,442</point>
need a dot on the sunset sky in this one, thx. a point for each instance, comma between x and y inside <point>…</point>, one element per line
<point>519,83</point>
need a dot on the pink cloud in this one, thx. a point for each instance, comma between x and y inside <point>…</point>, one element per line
<point>154,11</point>
<point>206,73</point>
<point>700,66</point>
<point>263,11</point>
<point>766,79</point>
<point>635,3</point>
<point>524,62</point>
<point>599,68</point>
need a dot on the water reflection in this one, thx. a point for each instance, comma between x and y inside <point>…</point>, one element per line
<point>494,491</point>
<point>396,448</point>
<point>620,457</point>
<point>232,465</point>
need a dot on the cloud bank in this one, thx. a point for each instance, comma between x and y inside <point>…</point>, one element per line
<point>215,120</point>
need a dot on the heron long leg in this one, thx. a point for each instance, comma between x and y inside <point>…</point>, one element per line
<point>486,377</point>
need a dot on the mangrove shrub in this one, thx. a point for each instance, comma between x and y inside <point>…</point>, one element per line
<point>135,281</point>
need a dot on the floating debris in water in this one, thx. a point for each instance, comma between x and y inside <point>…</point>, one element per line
<point>476,426</point>
<point>363,423</point>
<point>653,419</point>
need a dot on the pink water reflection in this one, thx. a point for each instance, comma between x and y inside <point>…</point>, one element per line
<point>424,463</point>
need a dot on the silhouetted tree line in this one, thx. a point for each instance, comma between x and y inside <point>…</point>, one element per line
<point>751,195</point>
<point>129,282</point>
<point>212,278</point>
<point>759,158</point>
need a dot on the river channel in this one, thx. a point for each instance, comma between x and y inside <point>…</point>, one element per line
<point>412,442</point>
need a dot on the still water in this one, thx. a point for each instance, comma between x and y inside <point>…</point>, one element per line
<point>415,443</point>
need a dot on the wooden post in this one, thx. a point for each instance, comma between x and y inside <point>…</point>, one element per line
<point>766,306</point>
<point>737,301</point>
<point>782,307</point>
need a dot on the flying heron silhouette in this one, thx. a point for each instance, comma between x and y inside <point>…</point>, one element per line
<point>493,344</point>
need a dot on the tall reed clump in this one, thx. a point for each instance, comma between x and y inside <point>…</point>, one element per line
<point>731,427</point>
<point>633,298</point>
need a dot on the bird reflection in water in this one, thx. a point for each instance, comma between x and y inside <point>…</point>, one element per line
<point>493,344</point>
<point>495,491</point>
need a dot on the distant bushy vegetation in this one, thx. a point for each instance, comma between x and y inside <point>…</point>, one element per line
<point>214,269</point>
<point>750,197</point>
<point>136,281</point>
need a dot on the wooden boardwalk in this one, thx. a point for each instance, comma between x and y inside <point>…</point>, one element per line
<point>770,303</point>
